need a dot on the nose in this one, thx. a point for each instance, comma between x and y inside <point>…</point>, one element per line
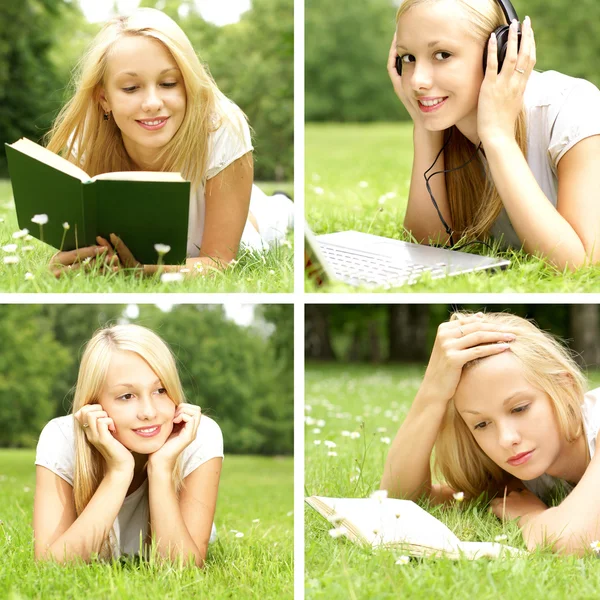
<point>152,102</point>
<point>421,76</point>
<point>147,410</point>
<point>508,436</point>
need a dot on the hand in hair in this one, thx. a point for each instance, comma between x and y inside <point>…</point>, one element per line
<point>185,426</point>
<point>457,343</point>
<point>98,433</point>
<point>397,83</point>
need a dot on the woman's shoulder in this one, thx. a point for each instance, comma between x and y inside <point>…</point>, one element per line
<point>591,414</point>
<point>208,444</point>
<point>56,447</point>
<point>551,88</point>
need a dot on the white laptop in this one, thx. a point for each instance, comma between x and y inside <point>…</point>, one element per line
<point>370,260</point>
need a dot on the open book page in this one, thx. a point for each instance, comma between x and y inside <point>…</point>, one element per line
<point>139,176</point>
<point>49,158</point>
<point>392,522</point>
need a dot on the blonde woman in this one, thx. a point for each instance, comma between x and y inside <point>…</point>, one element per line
<point>519,147</point>
<point>144,101</point>
<point>506,407</point>
<point>133,462</point>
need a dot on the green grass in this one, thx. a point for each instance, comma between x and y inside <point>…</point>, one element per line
<point>350,168</point>
<point>368,399</point>
<point>269,272</point>
<point>258,565</point>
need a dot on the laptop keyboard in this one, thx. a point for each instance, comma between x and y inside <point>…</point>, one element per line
<point>371,269</point>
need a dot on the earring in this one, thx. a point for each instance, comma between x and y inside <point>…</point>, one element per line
<point>106,116</point>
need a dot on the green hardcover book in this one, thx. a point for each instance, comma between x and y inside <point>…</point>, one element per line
<point>143,208</point>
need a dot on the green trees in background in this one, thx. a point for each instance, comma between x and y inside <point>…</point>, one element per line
<point>240,376</point>
<point>29,94</point>
<point>251,61</point>
<point>404,333</point>
<point>347,45</point>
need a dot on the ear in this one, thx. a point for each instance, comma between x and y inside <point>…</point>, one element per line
<point>103,100</point>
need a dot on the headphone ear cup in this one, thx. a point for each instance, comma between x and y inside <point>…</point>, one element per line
<point>399,66</point>
<point>502,33</point>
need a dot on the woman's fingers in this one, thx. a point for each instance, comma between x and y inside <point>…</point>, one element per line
<point>124,253</point>
<point>391,64</point>
<point>76,256</point>
<point>483,337</point>
<point>483,351</point>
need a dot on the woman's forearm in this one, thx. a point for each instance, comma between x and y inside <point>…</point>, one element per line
<point>168,527</point>
<point>421,217</point>
<point>574,523</point>
<point>201,265</point>
<point>538,224</point>
<point>85,536</point>
<point>407,472</point>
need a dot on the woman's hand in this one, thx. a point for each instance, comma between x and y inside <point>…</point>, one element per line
<point>126,258</point>
<point>501,94</point>
<point>84,258</point>
<point>457,343</point>
<point>98,428</point>
<point>185,426</point>
<point>397,83</point>
<point>517,504</point>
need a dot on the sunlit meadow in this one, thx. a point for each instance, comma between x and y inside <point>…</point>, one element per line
<point>252,558</point>
<point>352,413</point>
<point>24,265</point>
<point>358,178</point>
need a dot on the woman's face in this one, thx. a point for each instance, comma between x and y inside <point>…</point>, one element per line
<point>509,417</point>
<point>440,59</point>
<point>134,397</point>
<point>145,92</point>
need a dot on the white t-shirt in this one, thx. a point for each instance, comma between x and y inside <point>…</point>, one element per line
<point>56,452</point>
<point>545,486</point>
<point>561,111</point>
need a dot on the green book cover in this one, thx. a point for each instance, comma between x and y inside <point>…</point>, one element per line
<point>142,208</point>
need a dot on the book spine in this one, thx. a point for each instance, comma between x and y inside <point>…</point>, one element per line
<point>89,202</point>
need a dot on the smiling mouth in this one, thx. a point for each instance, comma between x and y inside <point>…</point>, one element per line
<point>148,431</point>
<point>152,124</point>
<point>519,459</point>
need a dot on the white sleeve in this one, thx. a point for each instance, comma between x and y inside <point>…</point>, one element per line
<point>578,118</point>
<point>208,444</point>
<point>229,142</point>
<point>56,448</point>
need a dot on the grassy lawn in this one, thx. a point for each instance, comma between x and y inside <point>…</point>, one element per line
<point>257,565</point>
<point>374,401</point>
<point>269,272</point>
<point>358,177</point>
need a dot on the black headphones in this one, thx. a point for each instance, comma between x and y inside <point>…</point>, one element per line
<point>501,37</point>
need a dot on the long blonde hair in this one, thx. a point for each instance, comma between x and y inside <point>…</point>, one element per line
<point>474,201</point>
<point>90,466</point>
<point>548,366</point>
<point>81,134</point>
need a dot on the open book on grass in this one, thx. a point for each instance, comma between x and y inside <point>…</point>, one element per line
<point>143,208</point>
<point>401,524</point>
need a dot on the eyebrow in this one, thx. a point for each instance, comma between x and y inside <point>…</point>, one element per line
<point>161,73</point>
<point>504,403</point>
<point>428,45</point>
<point>131,386</point>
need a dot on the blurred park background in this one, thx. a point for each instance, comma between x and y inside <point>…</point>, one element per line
<point>251,60</point>
<point>405,333</point>
<point>235,361</point>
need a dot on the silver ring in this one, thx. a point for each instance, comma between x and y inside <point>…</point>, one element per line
<point>85,425</point>
<point>522,71</point>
